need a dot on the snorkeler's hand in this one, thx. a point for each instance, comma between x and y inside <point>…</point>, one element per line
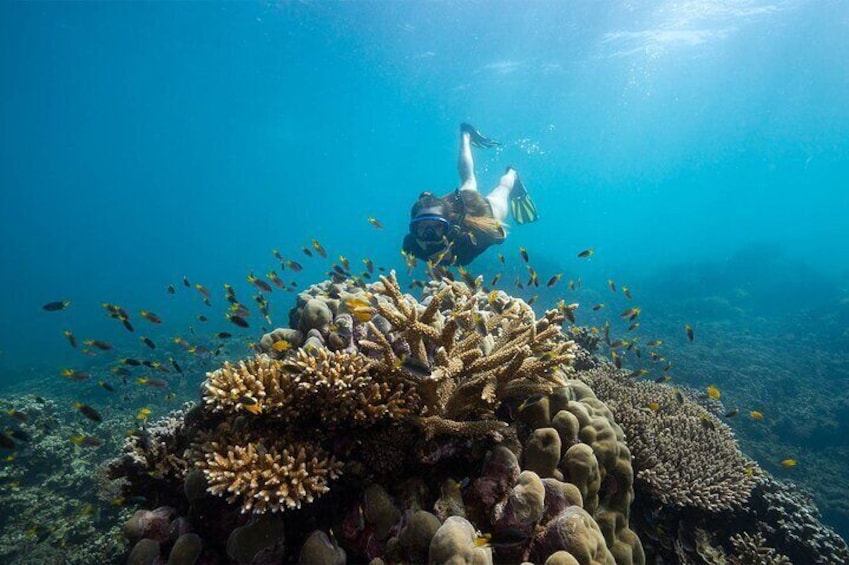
<point>476,138</point>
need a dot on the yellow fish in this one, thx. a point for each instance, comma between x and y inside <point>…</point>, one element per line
<point>788,463</point>
<point>281,345</point>
<point>756,415</point>
<point>714,392</point>
<point>654,406</point>
<point>143,413</point>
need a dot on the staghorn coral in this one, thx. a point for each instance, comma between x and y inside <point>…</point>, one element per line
<point>479,352</point>
<point>683,454</point>
<point>753,550</point>
<point>264,473</point>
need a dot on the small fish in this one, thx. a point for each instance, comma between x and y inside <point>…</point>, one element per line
<point>223,335</point>
<point>638,373</point>
<point>203,290</point>
<point>788,463</point>
<point>238,320</point>
<point>534,280</point>
<point>272,276</point>
<point>152,382</point>
<point>281,346</point>
<point>653,406</point>
<point>586,253</point>
<point>171,289</point>
<point>201,318</point>
<point>148,342</point>
<point>318,248</point>
<point>480,324</point>
<point>88,412</point>
<point>679,396</point>
<point>277,254</point>
<point>86,441</point>
<point>56,306</point>
<point>259,283</point>
<point>732,413</point>
<point>598,307</point>
<point>630,313</point>
<point>633,327</point>
<point>18,415</point>
<point>612,285</point>
<point>627,292</point>
<point>369,265</point>
<point>756,415</point>
<point>6,442</point>
<point>655,343</point>
<point>106,386</point>
<point>175,365</point>
<point>294,265</point>
<point>150,317</point>
<point>617,359</point>
<point>524,253</point>
<point>553,280</point>
<point>186,282</point>
<point>122,371</point>
<point>689,330</point>
<point>663,379</point>
<point>77,376</point>
<point>375,222</point>
<point>501,258</point>
<point>306,251</point>
<point>71,339</point>
<point>131,362</point>
<point>707,422</point>
<point>250,404</point>
<point>143,413</point>
<point>102,345</point>
<point>533,300</point>
<point>714,392</point>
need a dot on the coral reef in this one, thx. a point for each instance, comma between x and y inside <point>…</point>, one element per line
<point>50,490</point>
<point>683,454</point>
<point>458,428</point>
<point>264,473</point>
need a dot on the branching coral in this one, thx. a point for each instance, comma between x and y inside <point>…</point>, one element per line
<point>753,550</point>
<point>479,352</point>
<point>265,473</point>
<point>338,386</point>
<point>682,453</point>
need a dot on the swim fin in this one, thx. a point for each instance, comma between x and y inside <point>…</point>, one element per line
<point>521,206</point>
<point>476,138</point>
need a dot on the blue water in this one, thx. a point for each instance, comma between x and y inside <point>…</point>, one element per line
<point>700,148</point>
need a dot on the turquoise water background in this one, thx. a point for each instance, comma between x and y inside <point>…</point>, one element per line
<point>700,148</point>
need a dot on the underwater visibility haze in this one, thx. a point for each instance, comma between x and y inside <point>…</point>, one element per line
<point>151,154</point>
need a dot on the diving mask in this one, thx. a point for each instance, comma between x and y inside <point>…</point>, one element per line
<point>429,227</point>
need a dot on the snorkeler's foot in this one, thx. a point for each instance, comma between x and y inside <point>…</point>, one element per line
<point>476,138</point>
<point>522,208</point>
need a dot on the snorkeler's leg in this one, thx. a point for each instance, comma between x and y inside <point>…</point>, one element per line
<point>465,163</point>
<point>499,198</point>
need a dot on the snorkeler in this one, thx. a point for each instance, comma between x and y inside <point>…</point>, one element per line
<point>456,228</point>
